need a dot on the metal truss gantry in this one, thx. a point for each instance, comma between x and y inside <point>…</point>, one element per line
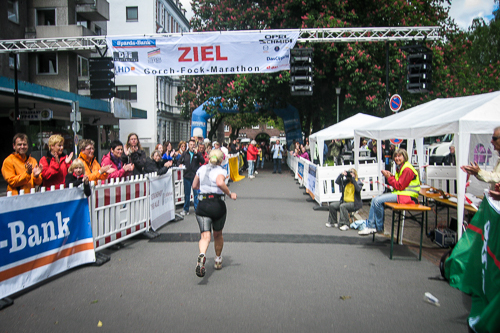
<point>313,35</point>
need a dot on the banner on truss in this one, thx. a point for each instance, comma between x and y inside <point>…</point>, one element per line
<point>206,53</point>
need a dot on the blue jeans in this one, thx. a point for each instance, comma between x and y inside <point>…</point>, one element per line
<point>251,167</point>
<point>376,215</point>
<point>277,162</point>
<point>261,163</point>
<point>188,183</point>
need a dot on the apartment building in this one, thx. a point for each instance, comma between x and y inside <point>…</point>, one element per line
<point>50,80</point>
<point>154,94</point>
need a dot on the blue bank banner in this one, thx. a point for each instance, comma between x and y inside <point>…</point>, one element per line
<point>300,169</point>
<point>41,235</point>
<point>311,179</point>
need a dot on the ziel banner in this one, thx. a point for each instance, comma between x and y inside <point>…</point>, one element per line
<point>162,208</point>
<point>42,235</point>
<point>204,53</point>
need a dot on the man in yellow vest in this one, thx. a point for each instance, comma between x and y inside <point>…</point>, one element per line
<point>406,184</point>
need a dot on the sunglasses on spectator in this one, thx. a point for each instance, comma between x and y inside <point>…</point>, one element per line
<point>495,138</point>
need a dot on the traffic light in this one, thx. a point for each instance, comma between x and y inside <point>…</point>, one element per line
<point>419,73</point>
<point>301,72</point>
<point>101,72</point>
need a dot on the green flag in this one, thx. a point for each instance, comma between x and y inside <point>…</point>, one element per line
<point>474,267</point>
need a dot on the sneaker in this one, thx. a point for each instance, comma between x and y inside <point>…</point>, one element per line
<point>344,228</point>
<point>335,225</point>
<point>251,177</point>
<point>182,213</point>
<point>279,171</point>
<point>329,225</point>
<point>256,172</point>
<point>218,263</point>
<point>200,265</point>
<point>367,231</point>
<point>274,171</point>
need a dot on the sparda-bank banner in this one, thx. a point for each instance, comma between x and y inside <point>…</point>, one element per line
<point>42,235</point>
<point>204,53</point>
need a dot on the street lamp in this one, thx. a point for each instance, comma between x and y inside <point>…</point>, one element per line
<point>337,90</point>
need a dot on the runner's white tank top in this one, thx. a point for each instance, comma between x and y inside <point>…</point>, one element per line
<point>208,178</point>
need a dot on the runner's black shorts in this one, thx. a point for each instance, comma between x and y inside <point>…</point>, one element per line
<point>211,214</point>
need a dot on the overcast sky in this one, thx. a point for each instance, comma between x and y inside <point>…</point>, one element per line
<point>463,11</point>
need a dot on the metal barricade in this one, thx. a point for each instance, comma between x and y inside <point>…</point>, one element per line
<point>119,210</point>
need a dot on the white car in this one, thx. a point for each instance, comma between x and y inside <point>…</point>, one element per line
<point>438,151</point>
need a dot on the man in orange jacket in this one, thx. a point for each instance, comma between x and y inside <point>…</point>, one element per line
<point>20,170</point>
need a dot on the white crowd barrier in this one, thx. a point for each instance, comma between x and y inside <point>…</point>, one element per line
<point>178,185</point>
<point>325,190</point>
<point>119,210</point>
<point>444,177</point>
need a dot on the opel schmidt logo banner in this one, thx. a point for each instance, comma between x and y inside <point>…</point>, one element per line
<point>207,53</point>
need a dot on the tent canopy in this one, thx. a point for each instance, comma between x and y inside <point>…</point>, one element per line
<point>469,114</point>
<point>341,130</point>
<point>463,116</point>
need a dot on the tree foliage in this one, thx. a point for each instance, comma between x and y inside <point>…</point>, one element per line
<point>358,68</point>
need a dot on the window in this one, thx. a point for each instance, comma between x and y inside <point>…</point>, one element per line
<point>46,16</point>
<point>11,61</point>
<point>255,127</point>
<point>13,10</point>
<point>83,67</point>
<point>132,14</point>
<point>128,93</point>
<point>46,63</point>
<point>83,23</point>
<point>226,128</point>
<point>98,31</point>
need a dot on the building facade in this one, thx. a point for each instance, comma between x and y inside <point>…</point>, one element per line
<point>52,80</point>
<point>260,132</point>
<point>154,94</point>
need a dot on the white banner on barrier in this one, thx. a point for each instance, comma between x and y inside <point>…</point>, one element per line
<point>311,179</point>
<point>162,208</point>
<point>204,53</point>
<point>42,235</point>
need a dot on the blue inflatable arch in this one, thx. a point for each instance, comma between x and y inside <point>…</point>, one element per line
<point>290,116</point>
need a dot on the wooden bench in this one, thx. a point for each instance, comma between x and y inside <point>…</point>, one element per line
<point>399,208</point>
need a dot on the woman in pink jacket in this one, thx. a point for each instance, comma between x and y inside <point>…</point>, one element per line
<point>113,158</point>
<point>252,153</point>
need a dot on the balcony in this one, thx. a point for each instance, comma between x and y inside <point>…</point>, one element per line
<point>55,31</point>
<point>93,10</point>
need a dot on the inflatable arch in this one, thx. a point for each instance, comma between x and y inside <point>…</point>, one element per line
<point>290,116</point>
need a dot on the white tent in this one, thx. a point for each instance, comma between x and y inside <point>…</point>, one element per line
<point>464,116</point>
<point>341,130</point>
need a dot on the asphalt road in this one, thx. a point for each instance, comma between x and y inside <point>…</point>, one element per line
<point>283,271</point>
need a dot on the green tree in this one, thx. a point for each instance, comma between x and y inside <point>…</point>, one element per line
<point>358,68</point>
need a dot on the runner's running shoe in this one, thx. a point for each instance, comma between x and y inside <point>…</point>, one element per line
<point>218,263</point>
<point>200,265</point>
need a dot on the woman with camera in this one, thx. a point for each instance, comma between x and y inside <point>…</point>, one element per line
<point>350,201</point>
